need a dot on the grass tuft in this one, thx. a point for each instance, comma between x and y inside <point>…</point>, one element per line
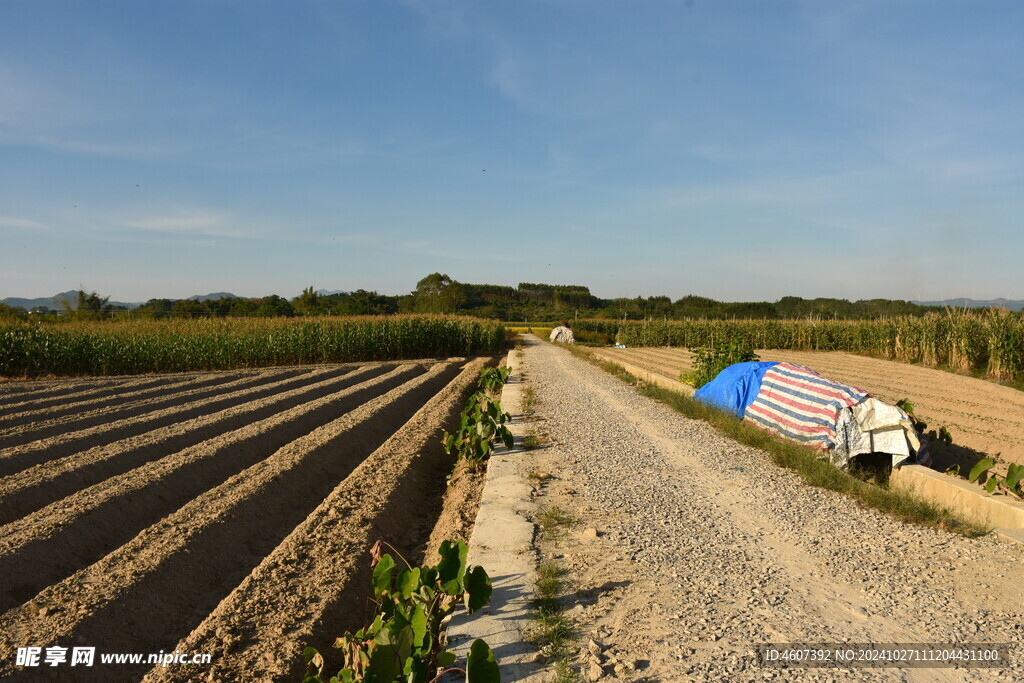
<point>553,633</point>
<point>552,519</point>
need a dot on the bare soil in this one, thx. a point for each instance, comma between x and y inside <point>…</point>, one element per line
<point>233,522</point>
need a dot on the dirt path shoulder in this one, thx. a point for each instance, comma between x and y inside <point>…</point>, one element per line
<point>691,549</point>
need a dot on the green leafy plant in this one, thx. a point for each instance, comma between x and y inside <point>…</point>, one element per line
<point>482,422</point>
<point>942,436</point>
<point>710,360</point>
<point>1013,482</point>
<point>403,643</point>
<point>493,379</point>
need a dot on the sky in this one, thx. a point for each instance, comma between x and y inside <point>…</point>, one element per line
<point>737,150</point>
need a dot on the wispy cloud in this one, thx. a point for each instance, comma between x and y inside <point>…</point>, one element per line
<point>191,223</point>
<point>20,223</point>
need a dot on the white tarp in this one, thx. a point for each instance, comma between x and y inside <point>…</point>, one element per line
<point>873,426</point>
<point>562,334</point>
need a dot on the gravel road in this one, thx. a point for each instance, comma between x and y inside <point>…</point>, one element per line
<point>704,548</point>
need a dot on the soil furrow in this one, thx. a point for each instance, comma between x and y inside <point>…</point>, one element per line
<point>208,546</point>
<point>313,586</point>
<point>9,417</point>
<point>648,363</point>
<point>241,409</point>
<point>52,543</point>
<point>47,423</point>
<point>29,490</point>
<point>19,391</point>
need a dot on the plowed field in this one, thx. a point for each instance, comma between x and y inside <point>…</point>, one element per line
<point>219,513</point>
<point>983,416</point>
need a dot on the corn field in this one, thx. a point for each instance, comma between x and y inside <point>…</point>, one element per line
<point>135,347</point>
<point>989,341</point>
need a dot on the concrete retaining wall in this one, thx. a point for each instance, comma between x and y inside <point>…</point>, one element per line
<point>968,500</point>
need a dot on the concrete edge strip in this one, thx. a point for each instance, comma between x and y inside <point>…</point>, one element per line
<point>502,543</point>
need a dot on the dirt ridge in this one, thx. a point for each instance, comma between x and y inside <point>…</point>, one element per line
<point>53,542</point>
<point>44,424</point>
<point>297,594</point>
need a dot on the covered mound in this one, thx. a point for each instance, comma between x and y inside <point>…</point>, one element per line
<point>795,402</point>
<point>562,334</point>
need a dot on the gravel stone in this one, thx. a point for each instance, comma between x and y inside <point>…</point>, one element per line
<point>708,548</point>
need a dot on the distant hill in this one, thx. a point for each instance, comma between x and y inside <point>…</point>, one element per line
<point>1013,305</point>
<point>55,302</point>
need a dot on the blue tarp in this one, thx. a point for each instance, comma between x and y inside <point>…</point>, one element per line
<point>734,388</point>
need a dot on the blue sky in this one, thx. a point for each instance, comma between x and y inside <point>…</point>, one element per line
<point>738,150</point>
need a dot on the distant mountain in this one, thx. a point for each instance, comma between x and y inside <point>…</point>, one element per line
<point>1013,305</point>
<point>328,292</point>
<point>55,302</point>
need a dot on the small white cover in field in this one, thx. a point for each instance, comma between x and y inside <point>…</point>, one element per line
<point>562,334</point>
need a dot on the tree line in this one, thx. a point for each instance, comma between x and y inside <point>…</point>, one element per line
<point>532,302</point>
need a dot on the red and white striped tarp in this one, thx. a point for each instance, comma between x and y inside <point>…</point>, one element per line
<point>798,403</point>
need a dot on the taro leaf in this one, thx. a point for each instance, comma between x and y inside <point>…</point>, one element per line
<point>1014,474</point>
<point>446,658</point>
<point>346,676</point>
<point>408,581</point>
<point>944,436</point>
<point>452,566</point>
<point>418,622</point>
<point>991,484</point>
<point>506,436</point>
<point>314,661</point>
<point>404,642</point>
<point>478,589</point>
<point>429,576</point>
<point>481,666</point>
<point>415,669</point>
<point>983,466</point>
<point>382,575</point>
<point>384,662</point>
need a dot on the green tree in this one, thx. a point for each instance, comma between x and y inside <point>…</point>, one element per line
<point>89,306</point>
<point>307,303</point>
<point>12,312</point>
<point>437,293</point>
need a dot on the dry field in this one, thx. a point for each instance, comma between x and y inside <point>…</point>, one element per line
<point>224,513</point>
<point>981,415</point>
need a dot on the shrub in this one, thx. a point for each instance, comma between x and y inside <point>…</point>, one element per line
<point>710,360</point>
